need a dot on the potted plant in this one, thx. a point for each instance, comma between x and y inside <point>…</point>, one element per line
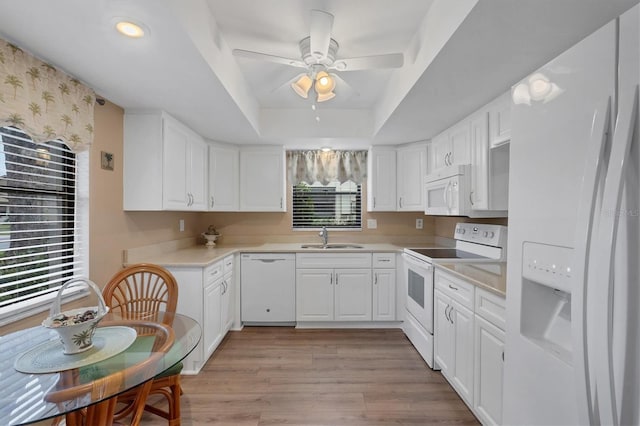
<point>211,235</point>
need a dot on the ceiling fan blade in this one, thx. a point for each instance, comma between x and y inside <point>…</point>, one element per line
<point>343,88</point>
<point>320,27</point>
<point>269,58</point>
<point>391,60</point>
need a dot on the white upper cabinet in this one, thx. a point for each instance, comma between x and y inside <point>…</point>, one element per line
<point>262,179</point>
<point>412,167</point>
<point>479,195</point>
<point>500,120</point>
<point>165,164</point>
<point>381,183</point>
<point>459,138</point>
<point>224,177</point>
<point>451,147</point>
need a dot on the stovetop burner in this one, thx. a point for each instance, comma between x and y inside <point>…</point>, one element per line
<point>446,253</point>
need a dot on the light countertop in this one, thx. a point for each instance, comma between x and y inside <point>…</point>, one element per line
<point>491,276</point>
<point>200,256</point>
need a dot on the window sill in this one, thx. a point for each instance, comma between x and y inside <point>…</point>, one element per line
<point>19,311</point>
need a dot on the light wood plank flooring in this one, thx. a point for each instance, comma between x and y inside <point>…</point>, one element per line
<point>287,376</point>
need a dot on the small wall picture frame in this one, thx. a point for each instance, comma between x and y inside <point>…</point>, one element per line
<point>106,160</point>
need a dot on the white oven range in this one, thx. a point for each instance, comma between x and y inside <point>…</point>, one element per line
<point>474,243</point>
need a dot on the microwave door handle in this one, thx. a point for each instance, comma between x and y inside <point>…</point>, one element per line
<point>608,231</point>
<point>450,197</point>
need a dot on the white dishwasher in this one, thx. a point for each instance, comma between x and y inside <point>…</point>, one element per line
<point>268,288</point>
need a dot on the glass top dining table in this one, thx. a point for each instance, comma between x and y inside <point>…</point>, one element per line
<point>30,397</point>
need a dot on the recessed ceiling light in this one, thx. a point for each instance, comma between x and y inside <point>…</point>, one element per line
<point>129,29</point>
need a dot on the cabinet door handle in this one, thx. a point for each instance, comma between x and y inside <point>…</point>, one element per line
<point>280,202</point>
<point>400,202</point>
<point>331,279</point>
<point>450,315</point>
<point>453,288</point>
<point>374,202</point>
<point>446,313</point>
<point>471,197</point>
<point>502,356</point>
<point>212,201</point>
<point>336,279</point>
<point>375,279</point>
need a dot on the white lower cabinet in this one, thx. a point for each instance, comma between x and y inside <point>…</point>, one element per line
<point>469,343</point>
<point>227,310</point>
<point>333,295</point>
<point>489,356</point>
<point>384,295</point>
<point>384,286</point>
<point>453,346</point>
<point>212,318</point>
<point>352,295</point>
<point>204,294</point>
<point>489,361</point>
<point>341,287</point>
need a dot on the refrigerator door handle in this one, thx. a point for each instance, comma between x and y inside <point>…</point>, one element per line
<point>585,230</point>
<point>609,219</point>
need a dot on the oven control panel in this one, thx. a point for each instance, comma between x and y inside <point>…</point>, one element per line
<point>489,235</point>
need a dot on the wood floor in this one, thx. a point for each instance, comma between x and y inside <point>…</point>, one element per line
<point>286,376</point>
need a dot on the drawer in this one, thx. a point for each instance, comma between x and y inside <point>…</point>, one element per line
<point>227,266</point>
<point>213,272</point>
<point>384,260</point>
<point>491,307</point>
<point>459,290</point>
<point>333,260</point>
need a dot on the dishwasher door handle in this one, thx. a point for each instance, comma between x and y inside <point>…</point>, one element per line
<point>269,260</point>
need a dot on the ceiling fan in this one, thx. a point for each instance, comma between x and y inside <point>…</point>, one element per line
<point>318,56</point>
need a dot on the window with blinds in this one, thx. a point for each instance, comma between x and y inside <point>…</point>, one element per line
<point>334,205</point>
<point>37,218</point>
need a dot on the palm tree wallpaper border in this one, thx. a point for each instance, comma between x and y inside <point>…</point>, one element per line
<point>43,101</point>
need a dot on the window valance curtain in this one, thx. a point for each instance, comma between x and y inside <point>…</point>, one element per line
<point>325,167</point>
<point>42,101</point>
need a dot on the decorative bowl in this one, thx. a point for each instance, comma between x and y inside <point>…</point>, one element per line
<point>211,239</point>
<point>76,327</point>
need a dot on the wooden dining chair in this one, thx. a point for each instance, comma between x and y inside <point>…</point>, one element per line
<point>145,291</point>
<point>70,390</point>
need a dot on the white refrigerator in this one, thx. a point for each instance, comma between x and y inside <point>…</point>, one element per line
<point>572,349</point>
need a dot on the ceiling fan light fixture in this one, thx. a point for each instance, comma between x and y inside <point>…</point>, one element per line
<point>302,86</point>
<point>324,83</point>
<point>325,96</point>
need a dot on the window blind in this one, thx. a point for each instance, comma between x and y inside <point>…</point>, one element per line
<point>334,205</point>
<point>38,225</point>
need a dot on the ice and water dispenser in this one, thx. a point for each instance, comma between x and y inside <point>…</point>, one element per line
<point>546,297</point>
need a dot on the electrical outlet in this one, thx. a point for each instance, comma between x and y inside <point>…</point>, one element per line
<point>372,223</point>
<point>181,225</point>
<point>419,223</point>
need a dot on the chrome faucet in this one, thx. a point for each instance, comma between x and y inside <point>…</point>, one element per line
<point>324,234</point>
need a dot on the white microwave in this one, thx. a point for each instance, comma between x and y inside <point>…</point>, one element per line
<point>447,191</point>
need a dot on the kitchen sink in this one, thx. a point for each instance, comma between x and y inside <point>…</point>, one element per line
<point>331,246</point>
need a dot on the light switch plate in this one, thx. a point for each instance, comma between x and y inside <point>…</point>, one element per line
<point>419,223</point>
<point>372,223</point>
<point>181,225</point>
